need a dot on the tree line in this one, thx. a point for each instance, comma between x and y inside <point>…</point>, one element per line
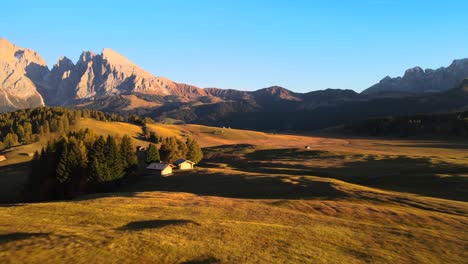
<point>448,124</point>
<point>27,125</point>
<point>172,149</point>
<point>80,162</point>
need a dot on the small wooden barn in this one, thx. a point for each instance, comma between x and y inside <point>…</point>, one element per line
<point>183,164</point>
<point>162,169</point>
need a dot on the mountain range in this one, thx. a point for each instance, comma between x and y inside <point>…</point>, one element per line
<point>109,81</point>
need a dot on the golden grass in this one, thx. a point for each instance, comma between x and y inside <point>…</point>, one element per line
<point>161,227</point>
<point>136,102</point>
<point>344,201</point>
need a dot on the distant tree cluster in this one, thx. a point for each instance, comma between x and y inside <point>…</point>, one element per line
<point>150,136</point>
<point>452,124</point>
<point>173,148</point>
<point>138,120</point>
<point>78,162</point>
<point>26,126</point>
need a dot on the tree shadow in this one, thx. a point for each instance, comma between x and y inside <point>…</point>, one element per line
<point>8,205</point>
<point>154,224</point>
<point>205,182</point>
<point>284,154</point>
<point>435,144</point>
<point>11,237</point>
<point>419,175</point>
<point>229,149</point>
<point>13,179</point>
<point>208,260</point>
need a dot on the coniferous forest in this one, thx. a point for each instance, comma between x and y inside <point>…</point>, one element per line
<point>78,162</point>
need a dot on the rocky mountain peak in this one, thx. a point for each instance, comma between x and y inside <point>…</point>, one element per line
<point>63,62</point>
<point>459,64</point>
<point>20,70</point>
<point>86,56</point>
<point>115,57</point>
<point>122,64</point>
<point>21,57</point>
<point>413,72</point>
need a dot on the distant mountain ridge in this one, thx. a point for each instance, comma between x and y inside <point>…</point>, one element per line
<point>419,81</point>
<point>109,81</point>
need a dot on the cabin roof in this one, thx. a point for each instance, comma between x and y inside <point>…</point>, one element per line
<point>159,166</point>
<point>180,161</point>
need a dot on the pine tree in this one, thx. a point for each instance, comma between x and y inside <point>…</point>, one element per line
<point>20,133</point>
<point>63,170</point>
<point>113,158</point>
<point>153,137</point>
<point>78,157</point>
<point>98,167</point>
<point>127,152</point>
<point>182,149</point>
<point>152,154</point>
<point>10,140</point>
<point>28,131</point>
<point>97,171</point>
<point>169,150</point>
<point>194,152</point>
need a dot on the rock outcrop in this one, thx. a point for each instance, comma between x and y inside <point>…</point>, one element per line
<point>20,68</point>
<point>417,81</point>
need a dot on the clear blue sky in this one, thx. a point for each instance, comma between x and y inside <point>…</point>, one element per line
<point>301,45</point>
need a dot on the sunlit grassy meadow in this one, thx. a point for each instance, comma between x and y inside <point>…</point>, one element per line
<point>262,198</point>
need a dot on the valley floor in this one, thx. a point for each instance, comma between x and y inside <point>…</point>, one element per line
<point>263,199</point>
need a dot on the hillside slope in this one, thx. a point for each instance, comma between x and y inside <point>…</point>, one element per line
<point>179,228</point>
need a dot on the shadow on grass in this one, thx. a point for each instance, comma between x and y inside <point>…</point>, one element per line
<point>203,182</point>
<point>285,154</point>
<point>10,205</point>
<point>419,175</point>
<point>11,237</point>
<point>269,174</point>
<point>434,144</point>
<point>154,224</point>
<point>288,174</point>
<point>209,260</point>
<point>229,149</point>
<point>13,178</point>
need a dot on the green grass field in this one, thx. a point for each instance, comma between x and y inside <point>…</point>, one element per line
<point>259,198</point>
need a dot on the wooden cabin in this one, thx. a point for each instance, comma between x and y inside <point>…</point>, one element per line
<point>183,164</point>
<point>161,169</point>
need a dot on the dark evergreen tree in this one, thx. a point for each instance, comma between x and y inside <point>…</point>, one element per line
<point>98,170</point>
<point>63,170</point>
<point>152,154</point>
<point>194,152</point>
<point>182,149</point>
<point>169,150</point>
<point>113,158</point>
<point>127,152</point>
<point>153,137</point>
